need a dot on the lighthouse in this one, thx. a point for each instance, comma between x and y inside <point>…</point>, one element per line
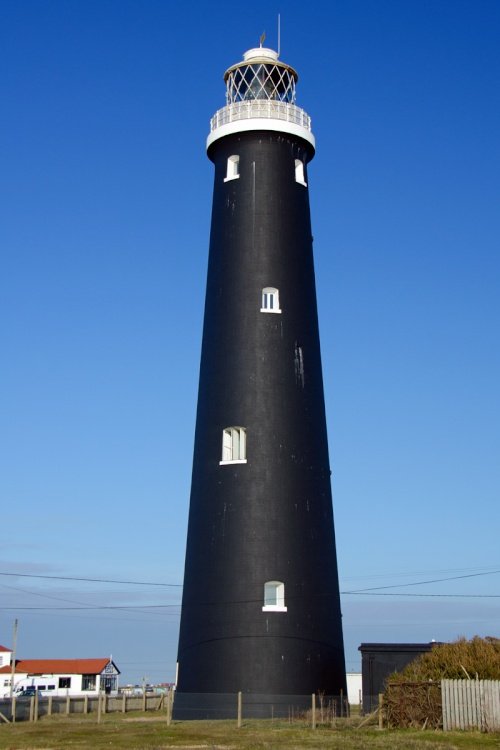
<point>261,606</point>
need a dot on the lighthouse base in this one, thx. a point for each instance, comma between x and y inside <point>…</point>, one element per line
<point>202,706</point>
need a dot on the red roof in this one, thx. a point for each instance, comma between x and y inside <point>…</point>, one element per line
<point>58,666</point>
<point>2,648</point>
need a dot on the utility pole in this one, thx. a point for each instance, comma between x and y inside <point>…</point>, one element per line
<point>13,658</point>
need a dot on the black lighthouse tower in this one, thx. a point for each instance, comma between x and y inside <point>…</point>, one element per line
<point>260,608</point>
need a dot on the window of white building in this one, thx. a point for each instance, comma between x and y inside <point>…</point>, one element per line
<point>299,172</point>
<point>270,300</point>
<point>89,682</point>
<point>274,597</point>
<point>233,168</point>
<point>234,445</point>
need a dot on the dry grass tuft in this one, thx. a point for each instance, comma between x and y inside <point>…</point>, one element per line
<point>478,658</point>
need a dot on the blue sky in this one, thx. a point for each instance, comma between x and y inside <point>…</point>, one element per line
<point>105,197</point>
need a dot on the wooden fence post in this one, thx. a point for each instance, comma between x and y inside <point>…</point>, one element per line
<point>49,706</point>
<point>99,708</point>
<point>124,703</point>
<point>13,709</point>
<point>240,705</point>
<point>170,700</point>
<point>313,706</point>
<point>144,703</point>
<point>37,698</point>
<point>380,710</point>
<point>32,706</point>
<point>86,704</point>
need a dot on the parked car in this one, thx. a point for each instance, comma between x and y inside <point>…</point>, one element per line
<point>27,692</point>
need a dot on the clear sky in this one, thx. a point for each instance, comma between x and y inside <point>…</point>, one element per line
<point>105,198</point>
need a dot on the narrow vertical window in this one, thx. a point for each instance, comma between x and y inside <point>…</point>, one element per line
<point>299,172</point>
<point>270,300</point>
<point>233,168</point>
<point>299,365</point>
<point>274,597</point>
<point>234,445</point>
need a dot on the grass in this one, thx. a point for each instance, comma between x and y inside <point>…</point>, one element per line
<point>139,732</point>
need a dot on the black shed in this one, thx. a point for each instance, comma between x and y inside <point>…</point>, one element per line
<point>379,660</point>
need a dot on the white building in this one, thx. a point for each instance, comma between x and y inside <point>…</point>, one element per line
<point>58,676</point>
<point>354,691</point>
<point>5,656</point>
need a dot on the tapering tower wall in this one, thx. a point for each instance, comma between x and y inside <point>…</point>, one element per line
<point>261,611</point>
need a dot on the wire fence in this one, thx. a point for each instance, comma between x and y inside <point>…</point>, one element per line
<point>32,708</point>
<point>306,709</point>
<point>310,708</point>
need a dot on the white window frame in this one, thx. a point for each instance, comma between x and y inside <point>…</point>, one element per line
<point>233,168</point>
<point>270,300</point>
<point>299,172</point>
<point>274,597</point>
<point>234,446</point>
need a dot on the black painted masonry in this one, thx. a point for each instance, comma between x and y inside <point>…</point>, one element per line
<point>271,518</point>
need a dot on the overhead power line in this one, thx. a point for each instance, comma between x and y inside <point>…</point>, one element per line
<point>91,580</point>
<point>178,605</point>
<point>405,594</point>
<point>86,608</point>
<point>372,591</point>
<point>422,583</point>
<point>413,573</point>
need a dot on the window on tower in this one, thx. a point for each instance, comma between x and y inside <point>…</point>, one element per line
<point>233,168</point>
<point>299,172</point>
<point>274,597</point>
<point>234,445</point>
<point>270,300</point>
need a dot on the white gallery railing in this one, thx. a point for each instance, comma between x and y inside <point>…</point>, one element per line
<point>257,108</point>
